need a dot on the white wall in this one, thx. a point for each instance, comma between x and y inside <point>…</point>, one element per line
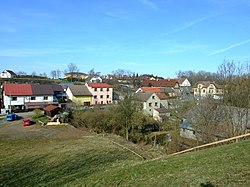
<point>21,100</point>
<point>5,75</point>
<point>69,94</point>
<point>185,83</point>
<point>150,109</point>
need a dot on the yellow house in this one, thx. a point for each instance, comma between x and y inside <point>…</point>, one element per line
<point>77,75</point>
<point>79,94</point>
<point>207,88</point>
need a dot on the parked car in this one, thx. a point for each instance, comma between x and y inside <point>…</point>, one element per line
<point>26,122</point>
<point>12,117</point>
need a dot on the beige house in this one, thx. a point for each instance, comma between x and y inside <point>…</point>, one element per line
<point>77,75</point>
<point>204,89</point>
<point>149,100</point>
<point>154,104</point>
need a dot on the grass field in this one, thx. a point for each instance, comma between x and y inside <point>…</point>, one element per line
<point>71,158</point>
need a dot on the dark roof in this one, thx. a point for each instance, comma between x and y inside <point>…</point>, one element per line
<point>10,72</point>
<point>161,110</point>
<point>143,96</point>
<point>161,83</point>
<point>38,89</point>
<point>185,124</point>
<point>80,90</point>
<point>167,90</point>
<point>76,73</point>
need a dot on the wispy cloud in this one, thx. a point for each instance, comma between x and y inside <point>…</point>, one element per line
<point>229,47</point>
<point>149,3</point>
<point>117,15</point>
<point>187,25</point>
<point>28,52</point>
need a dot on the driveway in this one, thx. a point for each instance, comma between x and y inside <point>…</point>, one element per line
<point>16,130</point>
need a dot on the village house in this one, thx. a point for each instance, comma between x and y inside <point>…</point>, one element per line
<point>76,75</point>
<point>168,84</point>
<point>102,93</point>
<point>7,74</point>
<point>204,89</point>
<point>149,100</point>
<point>30,96</point>
<point>94,79</point>
<point>167,92</point>
<point>155,102</point>
<point>79,94</point>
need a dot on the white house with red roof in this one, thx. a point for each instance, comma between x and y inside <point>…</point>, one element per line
<point>29,96</point>
<point>102,93</point>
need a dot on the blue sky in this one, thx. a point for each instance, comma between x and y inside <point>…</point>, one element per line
<point>158,37</point>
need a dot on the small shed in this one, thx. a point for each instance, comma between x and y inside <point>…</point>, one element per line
<point>51,110</point>
<point>187,131</point>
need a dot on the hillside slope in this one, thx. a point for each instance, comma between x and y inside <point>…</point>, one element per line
<point>74,159</point>
<point>226,165</point>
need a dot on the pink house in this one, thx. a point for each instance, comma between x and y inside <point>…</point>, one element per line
<point>102,93</point>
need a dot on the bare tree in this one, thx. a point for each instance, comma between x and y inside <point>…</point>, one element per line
<point>21,73</point>
<point>72,68</point>
<point>92,71</point>
<point>44,75</point>
<point>33,74</point>
<point>236,98</point>
<point>53,74</point>
<point>122,73</point>
<point>58,73</point>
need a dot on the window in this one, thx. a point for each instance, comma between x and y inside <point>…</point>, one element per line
<point>107,89</point>
<point>101,96</point>
<point>95,89</point>
<point>14,99</point>
<point>33,98</point>
<point>95,96</point>
<point>204,91</point>
<point>107,96</point>
<point>156,104</point>
<point>150,104</point>
<point>101,89</point>
<point>101,102</point>
<point>153,97</point>
<point>45,98</point>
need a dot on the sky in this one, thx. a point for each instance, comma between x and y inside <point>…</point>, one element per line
<point>157,37</point>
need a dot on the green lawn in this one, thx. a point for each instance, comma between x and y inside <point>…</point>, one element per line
<point>95,161</point>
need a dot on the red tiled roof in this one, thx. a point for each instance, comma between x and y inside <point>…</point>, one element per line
<point>180,80</point>
<point>31,89</point>
<point>50,108</point>
<point>17,89</point>
<point>99,85</point>
<point>150,89</point>
<point>162,96</point>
